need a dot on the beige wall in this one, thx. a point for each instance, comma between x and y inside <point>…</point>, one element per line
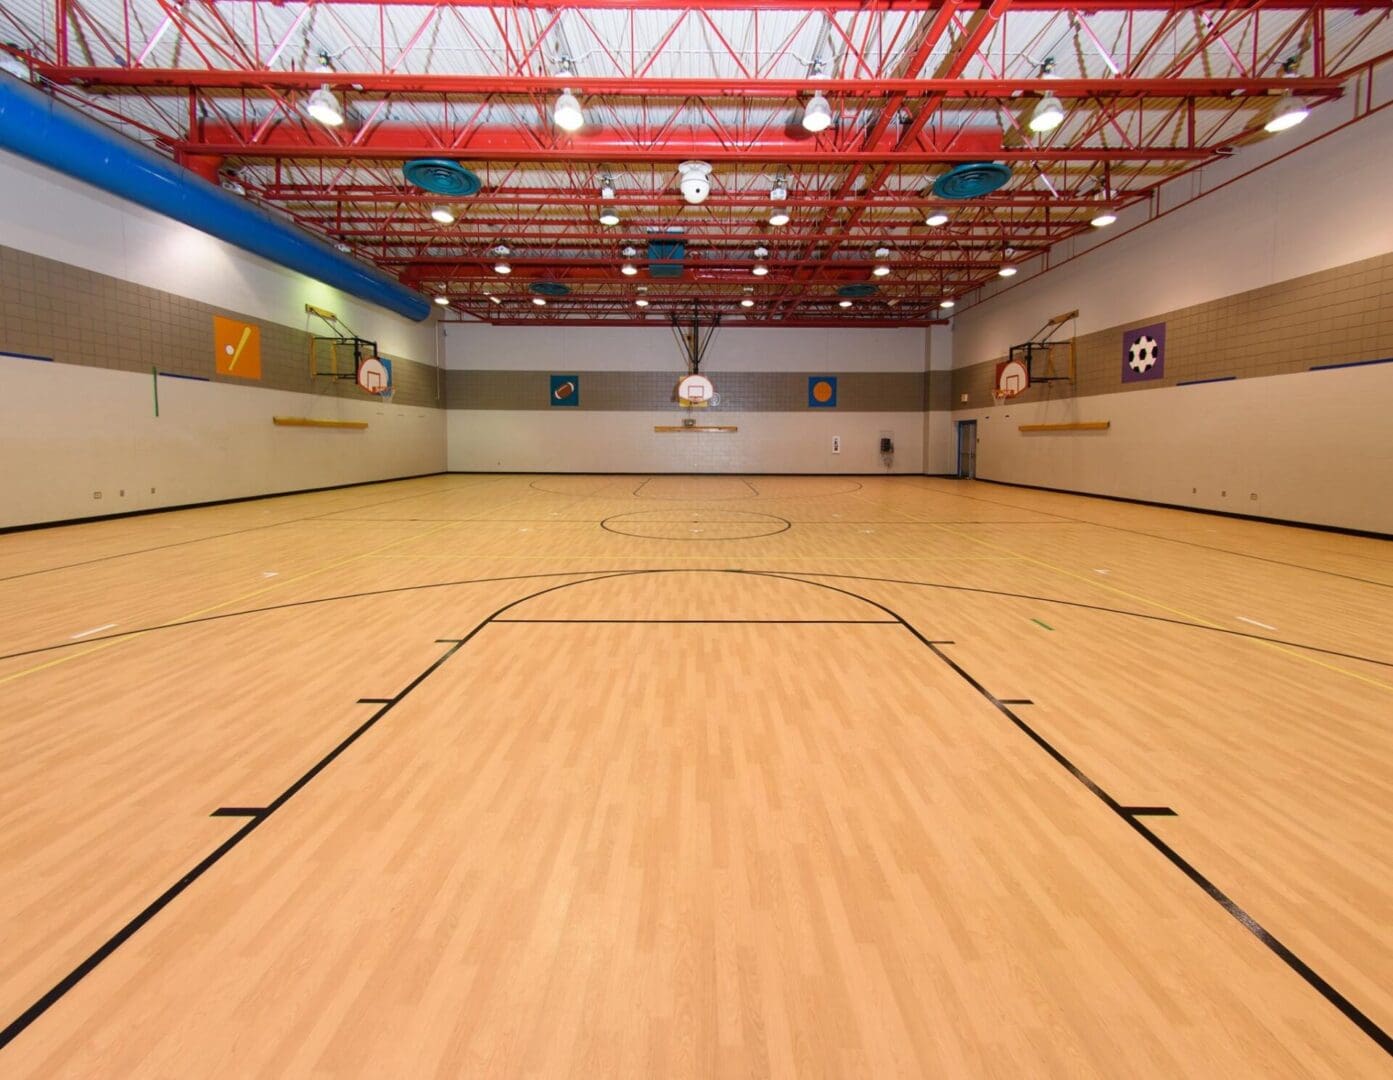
<point>69,431</point>
<point>108,290</point>
<point>1286,269</point>
<point>575,440</point>
<point>629,373</point>
<point>1314,447</point>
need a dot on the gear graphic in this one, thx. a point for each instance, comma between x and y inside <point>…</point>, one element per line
<point>1143,353</point>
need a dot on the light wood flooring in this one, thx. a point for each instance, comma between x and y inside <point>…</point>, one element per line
<point>524,776</point>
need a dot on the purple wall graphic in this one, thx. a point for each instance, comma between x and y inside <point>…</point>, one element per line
<point>1144,353</point>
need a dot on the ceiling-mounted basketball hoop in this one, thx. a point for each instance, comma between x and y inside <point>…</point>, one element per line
<point>695,390</point>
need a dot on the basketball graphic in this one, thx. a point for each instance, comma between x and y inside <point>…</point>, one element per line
<point>822,391</point>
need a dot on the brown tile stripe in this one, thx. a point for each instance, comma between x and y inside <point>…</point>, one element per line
<point>741,391</point>
<point>77,316</point>
<point>1341,315</point>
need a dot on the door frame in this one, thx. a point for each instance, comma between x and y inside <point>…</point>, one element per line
<point>958,446</point>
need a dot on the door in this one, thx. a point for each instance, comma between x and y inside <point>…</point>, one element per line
<point>967,449</point>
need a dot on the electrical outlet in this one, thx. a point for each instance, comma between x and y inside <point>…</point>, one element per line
<point>1253,496</point>
<point>836,444</point>
<point>152,491</point>
<point>122,493</point>
<point>96,494</point>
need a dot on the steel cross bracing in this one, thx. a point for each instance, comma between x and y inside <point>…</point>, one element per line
<point>1151,90</point>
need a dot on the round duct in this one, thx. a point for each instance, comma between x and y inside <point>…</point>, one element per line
<point>441,177</point>
<point>971,180</point>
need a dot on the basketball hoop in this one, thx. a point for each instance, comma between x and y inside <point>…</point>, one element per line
<point>373,377</point>
<point>696,392</point>
<point>1012,377</point>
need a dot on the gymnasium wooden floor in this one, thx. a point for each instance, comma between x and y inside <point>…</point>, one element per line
<point>614,776</point>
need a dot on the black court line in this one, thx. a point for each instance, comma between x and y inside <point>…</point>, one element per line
<point>1159,536</point>
<point>327,517</point>
<point>255,820</point>
<point>1128,814</point>
<point>239,811</point>
<point>715,622</point>
<point>1131,816</point>
<point>270,608</point>
<point>784,525</point>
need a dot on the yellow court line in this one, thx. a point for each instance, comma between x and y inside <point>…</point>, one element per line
<point>1144,599</point>
<point>121,639</point>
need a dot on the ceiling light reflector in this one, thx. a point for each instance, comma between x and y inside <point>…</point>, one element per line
<point>566,112</point>
<point>817,114</point>
<point>1048,114</point>
<point>324,107</point>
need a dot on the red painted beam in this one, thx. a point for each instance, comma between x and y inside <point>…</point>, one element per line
<point>515,145</point>
<point>611,87</point>
<point>500,143</point>
<point>662,322</point>
<point>1050,6</point>
<point>552,197</point>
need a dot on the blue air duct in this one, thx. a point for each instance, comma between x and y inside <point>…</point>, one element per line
<point>35,126</point>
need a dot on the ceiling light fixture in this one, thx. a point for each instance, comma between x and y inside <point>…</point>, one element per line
<point>641,302</point>
<point>324,107</point>
<point>609,217</point>
<point>817,114</point>
<point>345,248</point>
<point>1289,113</point>
<point>607,187</point>
<point>566,114</point>
<point>881,268</point>
<point>628,269</point>
<point>778,216</point>
<point>442,214</point>
<point>844,303</point>
<point>1048,114</point>
<point>936,218</point>
<point>502,266</point>
<point>540,301</point>
<point>495,299</point>
<point>1103,220</point>
<point>945,304</point>
<point>443,301</point>
<point>759,270</point>
<point>747,303</point>
<point>1007,270</point>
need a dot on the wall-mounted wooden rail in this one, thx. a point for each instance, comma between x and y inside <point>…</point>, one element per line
<point>1082,425</point>
<point>306,421</point>
<point>695,427</point>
